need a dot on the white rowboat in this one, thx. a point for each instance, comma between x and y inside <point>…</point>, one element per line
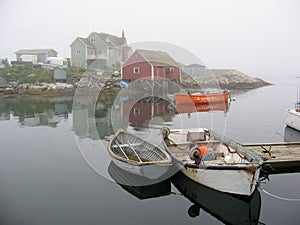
<point>138,156</point>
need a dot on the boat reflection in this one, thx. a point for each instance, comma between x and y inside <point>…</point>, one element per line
<point>203,107</point>
<point>291,135</point>
<point>139,186</point>
<point>228,208</point>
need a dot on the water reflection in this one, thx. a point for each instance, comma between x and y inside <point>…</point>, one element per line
<point>133,181</point>
<point>147,112</point>
<point>203,107</point>
<point>141,112</point>
<point>230,209</point>
<point>227,208</point>
<point>36,111</point>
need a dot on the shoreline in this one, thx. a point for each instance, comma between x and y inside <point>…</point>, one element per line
<point>110,86</point>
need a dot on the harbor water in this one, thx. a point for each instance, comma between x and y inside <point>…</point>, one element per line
<point>53,170</point>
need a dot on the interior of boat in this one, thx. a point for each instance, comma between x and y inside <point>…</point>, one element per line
<point>188,144</point>
<point>132,148</point>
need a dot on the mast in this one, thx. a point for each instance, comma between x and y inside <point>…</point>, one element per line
<point>297,105</point>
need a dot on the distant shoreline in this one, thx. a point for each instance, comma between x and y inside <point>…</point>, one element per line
<point>39,84</point>
<point>111,87</point>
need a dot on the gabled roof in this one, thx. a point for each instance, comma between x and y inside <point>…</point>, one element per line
<point>85,41</point>
<point>35,51</point>
<point>111,40</point>
<point>158,58</point>
<point>195,65</point>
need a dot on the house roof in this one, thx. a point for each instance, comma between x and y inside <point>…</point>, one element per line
<point>195,65</point>
<point>111,40</point>
<point>158,58</point>
<point>85,41</point>
<point>35,51</point>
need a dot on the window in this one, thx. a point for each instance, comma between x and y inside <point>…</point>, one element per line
<point>136,111</point>
<point>170,70</point>
<point>136,70</point>
<point>93,39</point>
<point>99,52</point>
<point>92,52</point>
<point>78,52</point>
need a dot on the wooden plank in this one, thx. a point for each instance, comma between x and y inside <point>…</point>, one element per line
<point>284,158</point>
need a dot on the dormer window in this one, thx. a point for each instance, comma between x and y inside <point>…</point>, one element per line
<point>93,39</point>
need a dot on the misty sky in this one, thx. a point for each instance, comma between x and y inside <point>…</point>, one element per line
<point>260,38</point>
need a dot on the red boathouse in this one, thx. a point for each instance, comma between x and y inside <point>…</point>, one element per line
<point>148,64</point>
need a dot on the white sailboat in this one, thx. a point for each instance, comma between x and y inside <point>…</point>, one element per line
<point>292,116</point>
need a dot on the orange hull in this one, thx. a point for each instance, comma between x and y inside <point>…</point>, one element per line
<point>202,98</point>
<point>189,108</point>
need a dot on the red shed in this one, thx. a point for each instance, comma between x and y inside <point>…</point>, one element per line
<point>150,64</point>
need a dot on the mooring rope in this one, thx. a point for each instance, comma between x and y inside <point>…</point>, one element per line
<point>279,197</point>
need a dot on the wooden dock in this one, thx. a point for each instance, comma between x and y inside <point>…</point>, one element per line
<point>280,157</point>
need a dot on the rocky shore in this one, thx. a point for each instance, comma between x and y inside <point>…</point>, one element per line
<point>231,80</point>
<point>226,79</point>
<point>39,89</point>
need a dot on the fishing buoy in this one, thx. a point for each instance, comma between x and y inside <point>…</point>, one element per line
<point>203,149</point>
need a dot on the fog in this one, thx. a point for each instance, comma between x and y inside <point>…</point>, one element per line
<point>259,38</point>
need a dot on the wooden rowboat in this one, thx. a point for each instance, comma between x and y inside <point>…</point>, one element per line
<point>138,156</point>
<point>212,160</point>
<point>199,98</point>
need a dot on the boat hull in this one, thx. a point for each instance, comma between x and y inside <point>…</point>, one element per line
<point>204,107</point>
<point>236,181</point>
<point>202,98</point>
<point>292,119</point>
<point>149,171</point>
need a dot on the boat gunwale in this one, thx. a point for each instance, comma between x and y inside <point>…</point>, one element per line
<point>234,166</point>
<point>293,112</point>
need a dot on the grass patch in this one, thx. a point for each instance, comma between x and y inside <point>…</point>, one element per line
<point>32,75</point>
<point>26,75</point>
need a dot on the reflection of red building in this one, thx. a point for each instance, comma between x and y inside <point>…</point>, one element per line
<point>150,64</point>
<point>142,112</point>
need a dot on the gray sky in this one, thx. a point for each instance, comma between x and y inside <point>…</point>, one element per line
<point>260,38</point>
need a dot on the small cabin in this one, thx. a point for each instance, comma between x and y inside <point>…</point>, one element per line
<point>60,75</point>
<point>148,64</point>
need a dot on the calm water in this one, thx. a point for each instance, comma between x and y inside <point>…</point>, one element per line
<point>54,171</point>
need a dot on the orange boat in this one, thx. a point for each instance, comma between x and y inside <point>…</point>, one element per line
<point>199,98</point>
<point>191,107</point>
